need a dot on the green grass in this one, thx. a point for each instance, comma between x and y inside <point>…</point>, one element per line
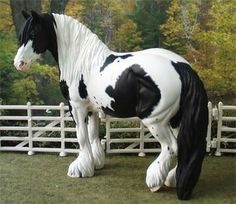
<point>41,179</point>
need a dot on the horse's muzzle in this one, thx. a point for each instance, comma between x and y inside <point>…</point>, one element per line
<point>22,66</point>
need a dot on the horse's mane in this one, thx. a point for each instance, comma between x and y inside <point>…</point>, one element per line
<point>78,48</point>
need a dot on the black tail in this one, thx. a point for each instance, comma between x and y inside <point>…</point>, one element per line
<point>193,129</point>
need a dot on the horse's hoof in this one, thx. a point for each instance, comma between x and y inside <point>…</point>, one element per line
<point>74,170</point>
<point>155,189</point>
<point>168,184</point>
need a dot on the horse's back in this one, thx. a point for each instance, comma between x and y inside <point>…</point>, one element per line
<point>164,53</point>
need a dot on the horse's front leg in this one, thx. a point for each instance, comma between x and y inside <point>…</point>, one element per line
<point>83,166</point>
<point>93,131</point>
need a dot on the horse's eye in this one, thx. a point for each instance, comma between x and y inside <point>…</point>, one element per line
<point>32,34</point>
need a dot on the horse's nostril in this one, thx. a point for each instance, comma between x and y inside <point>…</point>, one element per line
<point>22,63</point>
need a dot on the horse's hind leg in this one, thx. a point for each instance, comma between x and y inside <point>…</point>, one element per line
<point>93,131</point>
<point>158,170</point>
<point>171,177</point>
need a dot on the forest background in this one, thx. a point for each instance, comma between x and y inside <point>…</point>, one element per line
<point>202,31</point>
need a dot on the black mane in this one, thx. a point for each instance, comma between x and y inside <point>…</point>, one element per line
<point>50,22</point>
<point>26,29</point>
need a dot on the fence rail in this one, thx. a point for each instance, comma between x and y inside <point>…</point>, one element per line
<point>222,127</point>
<point>40,125</point>
<point>34,132</point>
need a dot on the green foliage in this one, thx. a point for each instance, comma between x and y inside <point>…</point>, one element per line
<point>127,38</point>
<point>101,16</point>
<point>202,31</point>
<point>47,78</point>
<point>208,45</point>
<point>24,90</point>
<point>7,71</point>
<point>149,15</point>
<point>109,20</point>
<point>39,83</point>
<point>6,24</point>
<point>181,28</point>
<point>17,87</point>
<point>217,61</point>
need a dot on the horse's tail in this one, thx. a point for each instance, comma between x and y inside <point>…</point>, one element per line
<point>192,131</point>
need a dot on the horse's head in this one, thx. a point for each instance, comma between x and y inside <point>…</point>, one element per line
<point>33,40</point>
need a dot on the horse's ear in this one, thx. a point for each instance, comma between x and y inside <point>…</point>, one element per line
<point>25,14</point>
<point>36,16</point>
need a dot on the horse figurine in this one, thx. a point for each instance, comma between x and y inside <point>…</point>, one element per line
<point>156,85</point>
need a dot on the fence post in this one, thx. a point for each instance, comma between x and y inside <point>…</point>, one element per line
<point>141,153</point>
<point>0,124</point>
<point>62,124</point>
<point>208,138</point>
<point>103,141</point>
<point>108,133</point>
<point>219,126</point>
<point>30,133</point>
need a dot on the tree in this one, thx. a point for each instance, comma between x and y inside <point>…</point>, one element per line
<point>103,17</point>
<point>58,6</point>
<point>6,24</point>
<point>204,32</point>
<point>127,38</point>
<point>25,90</point>
<point>180,27</point>
<point>149,15</point>
<point>217,49</point>
<point>17,7</point>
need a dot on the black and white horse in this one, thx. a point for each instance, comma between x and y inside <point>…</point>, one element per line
<point>156,85</point>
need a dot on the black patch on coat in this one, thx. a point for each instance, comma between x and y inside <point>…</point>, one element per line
<point>135,94</point>
<point>65,90</point>
<point>90,114</point>
<point>82,88</point>
<point>111,58</point>
<point>175,120</point>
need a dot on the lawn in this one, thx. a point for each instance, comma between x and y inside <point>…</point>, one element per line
<point>41,179</point>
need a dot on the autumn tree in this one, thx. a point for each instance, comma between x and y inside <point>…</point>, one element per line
<point>127,38</point>
<point>108,19</point>
<point>217,50</point>
<point>208,44</point>
<point>6,24</point>
<point>181,27</point>
<point>203,31</point>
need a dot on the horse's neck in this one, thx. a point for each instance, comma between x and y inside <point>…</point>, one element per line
<point>79,50</point>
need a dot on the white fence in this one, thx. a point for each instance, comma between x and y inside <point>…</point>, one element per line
<point>39,126</point>
<point>33,131</point>
<point>222,127</point>
<point>139,140</point>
